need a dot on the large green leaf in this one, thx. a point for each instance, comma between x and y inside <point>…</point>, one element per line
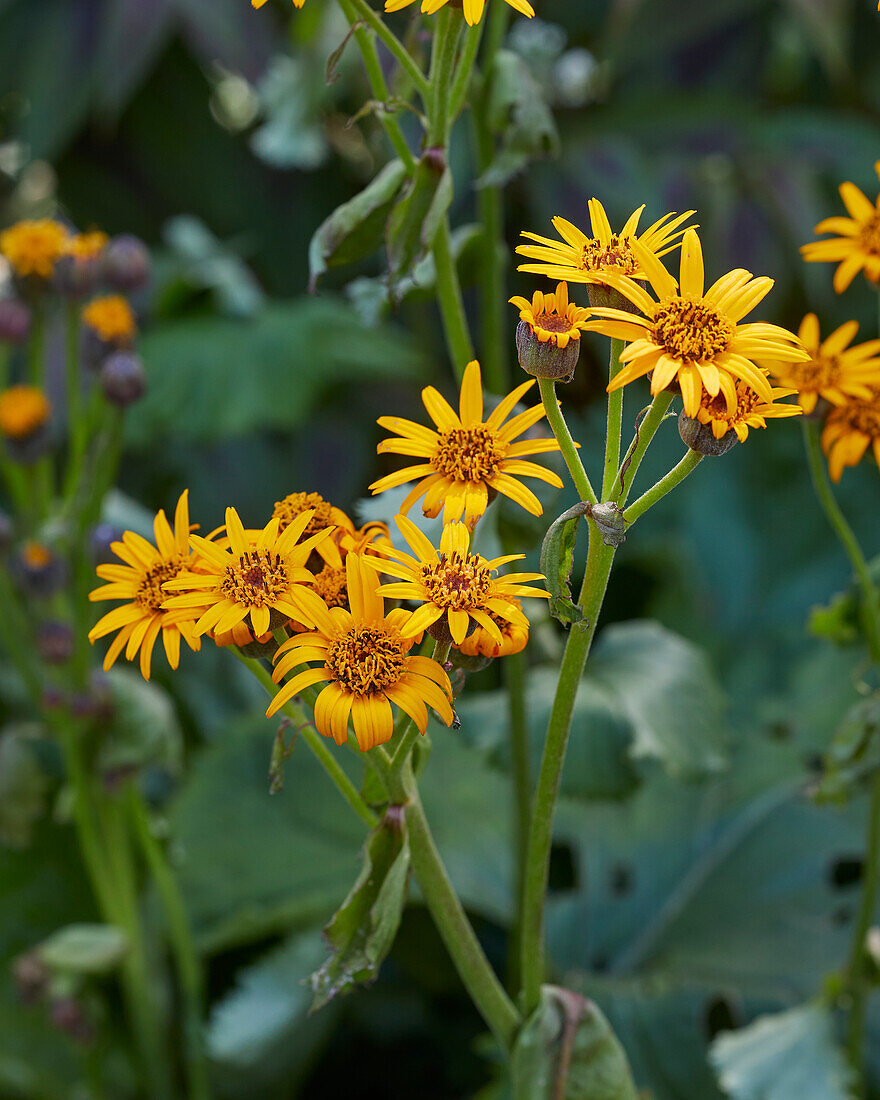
<point>214,378</point>
<point>792,1055</point>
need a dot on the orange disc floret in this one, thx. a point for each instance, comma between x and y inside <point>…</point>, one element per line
<point>112,318</point>
<point>86,246</point>
<point>23,410</point>
<point>34,247</point>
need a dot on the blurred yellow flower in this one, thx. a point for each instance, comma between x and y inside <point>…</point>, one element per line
<point>23,409</point>
<point>857,244</point>
<point>473,9</point>
<point>365,664</point>
<point>691,337</point>
<point>324,515</point>
<point>111,317</point>
<point>86,246</point>
<point>551,317</point>
<point>514,637</point>
<point>139,581</point>
<point>605,256</point>
<point>849,430</point>
<point>467,460</point>
<point>260,3</point>
<point>834,371</point>
<point>33,247</point>
<point>751,411</point>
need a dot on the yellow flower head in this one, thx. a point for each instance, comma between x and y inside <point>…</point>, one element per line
<point>857,244</point>
<point>751,411</point>
<point>514,638</point>
<point>365,663</point>
<point>33,247</point>
<point>249,574</point>
<point>551,317</point>
<point>457,590</point>
<point>849,430</point>
<point>260,3</point>
<point>835,371</point>
<point>473,9</point>
<point>23,410</point>
<point>112,318</point>
<point>605,257</point>
<point>86,246</point>
<point>324,515</point>
<point>693,337</point>
<point>138,581</point>
<point>467,458</point>
<point>239,636</point>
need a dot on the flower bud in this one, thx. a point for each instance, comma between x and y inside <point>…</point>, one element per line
<point>699,437</point>
<point>123,378</point>
<point>126,263</point>
<point>79,271</point>
<point>100,542</point>
<point>55,643</point>
<point>15,320</point>
<point>24,421</point>
<point>607,297</point>
<point>610,523</point>
<point>38,571</point>
<point>548,335</point>
<point>544,359</point>
<point>469,663</point>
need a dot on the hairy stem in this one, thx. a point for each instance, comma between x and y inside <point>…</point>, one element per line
<point>665,485</point>
<point>566,444</point>
<point>615,424</point>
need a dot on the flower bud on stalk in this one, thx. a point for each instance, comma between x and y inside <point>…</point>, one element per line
<point>123,378</point>
<point>126,263</point>
<point>24,423</point>
<point>79,271</point>
<point>699,437</point>
<point>548,335</point>
<point>38,571</point>
<point>55,643</point>
<point>15,321</point>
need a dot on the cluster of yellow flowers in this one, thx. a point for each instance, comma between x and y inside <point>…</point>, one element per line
<point>312,579</point>
<point>473,9</point>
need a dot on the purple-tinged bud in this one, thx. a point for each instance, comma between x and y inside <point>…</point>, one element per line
<point>38,570</point>
<point>30,976</point>
<point>55,643</point>
<point>126,263</point>
<point>15,320</point>
<point>100,542</point>
<point>6,532</point>
<point>68,1016</point>
<point>123,378</point>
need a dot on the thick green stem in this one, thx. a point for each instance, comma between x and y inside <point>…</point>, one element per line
<point>455,326</point>
<point>186,958</point>
<point>493,298</point>
<point>515,668</point>
<point>599,561</point>
<point>378,84</point>
<point>316,743</point>
<point>440,118</point>
<point>462,80</point>
<point>390,40</point>
<point>615,424</point>
<point>665,485</point>
<point>858,981</point>
<point>566,444</point>
<point>645,433</point>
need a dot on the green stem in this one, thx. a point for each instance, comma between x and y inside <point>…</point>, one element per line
<point>378,84</point>
<point>857,979</point>
<point>409,732</point>
<point>455,326</point>
<point>515,668</point>
<point>566,444</point>
<point>315,742</point>
<point>186,958</point>
<point>462,80</point>
<point>493,298</point>
<point>37,348</point>
<point>615,424</point>
<point>393,44</point>
<point>665,485</point>
<point>641,441</point>
<point>449,24</point>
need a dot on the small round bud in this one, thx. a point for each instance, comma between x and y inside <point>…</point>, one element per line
<point>699,437</point>
<point>100,543</point>
<point>38,570</point>
<point>55,643</point>
<point>15,320</point>
<point>470,663</point>
<point>68,1016</point>
<point>126,263</point>
<point>610,523</point>
<point>435,158</point>
<point>30,976</point>
<point>543,359</point>
<point>123,378</point>
<point>548,343</point>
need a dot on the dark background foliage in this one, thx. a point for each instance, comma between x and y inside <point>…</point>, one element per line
<point>209,129</point>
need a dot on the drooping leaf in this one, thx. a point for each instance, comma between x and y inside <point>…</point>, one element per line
<point>355,229</point>
<point>793,1055</point>
<point>416,217</point>
<point>84,949</point>
<point>362,930</point>
<point>557,562</point>
<point>567,1051</point>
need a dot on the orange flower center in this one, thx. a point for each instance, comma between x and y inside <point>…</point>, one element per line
<point>150,595</point>
<point>617,254</point>
<point>859,416</point>
<point>869,235</point>
<point>331,586</point>
<point>468,454</point>
<point>367,659</point>
<point>690,330</point>
<point>458,582</point>
<point>257,580</point>
<point>295,504</point>
<point>746,400</point>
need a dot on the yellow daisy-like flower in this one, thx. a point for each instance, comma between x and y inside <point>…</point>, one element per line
<point>551,317</point>
<point>857,244</point>
<point>457,590</point>
<point>467,460</point>
<point>111,317</point>
<point>473,9</point>
<point>605,256</point>
<point>324,515</point>
<point>835,371</point>
<point>86,246</point>
<point>139,582</point>
<point>260,3</point>
<point>33,247</point>
<point>514,638</point>
<point>23,410</point>
<point>693,337</point>
<point>250,574</point>
<point>751,411</point>
<point>849,430</point>
<point>365,663</point>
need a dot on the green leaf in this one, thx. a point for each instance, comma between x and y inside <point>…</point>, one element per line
<point>23,785</point>
<point>567,1051</point>
<point>557,562</point>
<point>792,1055</point>
<point>417,216</point>
<point>276,366</point>
<point>362,930</point>
<point>518,112</point>
<point>355,229</point>
<point>854,752</point>
<point>206,263</point>
<point>84,949</point>
<point>144,729</point>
